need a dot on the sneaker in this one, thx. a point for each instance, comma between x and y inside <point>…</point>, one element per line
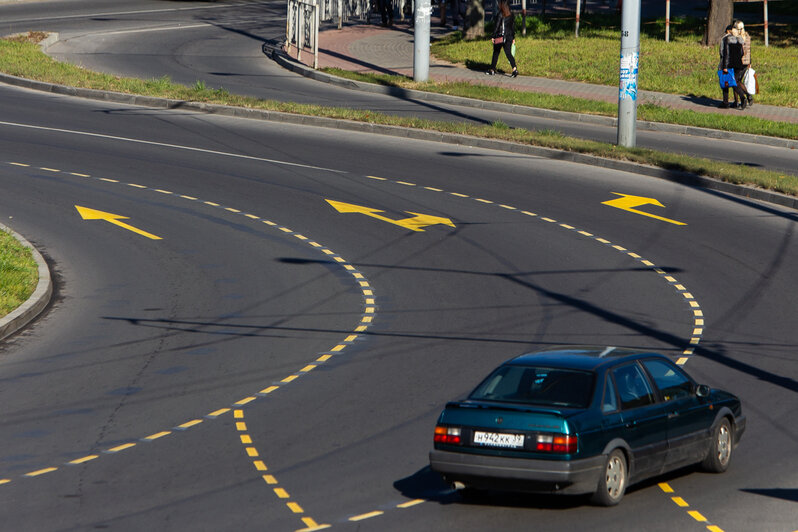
<point>515,73</point>
<point>490,72</point>
<point>743,104</point>
<point>750,101</point>
<point>724,105</point>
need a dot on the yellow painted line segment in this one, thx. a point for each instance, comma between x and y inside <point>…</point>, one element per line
<point>189,424</point>
<point>119,448</point>
<point>158,435</point>
<point>83,460</point>
<point>410,504</point>
<point>697,516</point>
<point>41,472</point>
<point>4,480</point>
<point>369,515</point>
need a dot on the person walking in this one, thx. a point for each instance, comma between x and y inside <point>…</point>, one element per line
<point>746,37</point>
<point>503,37</point>
<point>731,55</point>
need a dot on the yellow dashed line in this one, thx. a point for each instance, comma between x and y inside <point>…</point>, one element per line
<point>680,502</point>
<point>241,426</point>
<point>269,222</point>
<point>603,240</point>
<point>50,170</point>
<point>353,337</point>
<point>119,448</point>
<point>109,180</point>
<point>192,198</point>
<point>289,378</point>
<point>458,195</point>
<point>281,493</point>
<point>268,390</point>
<point>369,515</point>
<point>405,183</point>
<point>697,516</point>
<point>41,472</point>
<point>619,248</point>
<point>269,479</point>
<point>483,200</point>
<point>324,358</point>
<point>252,452</point>
<point>20,164</point>
<point>566,226</point>
<point>682,361</point>
<point>433,189</point>
<point>246,438</point>
<point>309,367</point>
<point>528,213</point>
<point>259,465</point>
<point>508,207</point>
<point>134,185</point>
<point>155,436</point>
<point>664,486</point>
<point>84,459</point>
<point>217,413</point>
<point>5,480</point>
<point>189,424</point>
<point>377,178</point>
<point>163,191</point>
<point>585,233</point>
<point>297,509</point>
<point>212,204</point>
<point>79,175</point>
<point>244,401</point>
<point>549,220</point>
<point>409,504</point>
<point>252,217</point>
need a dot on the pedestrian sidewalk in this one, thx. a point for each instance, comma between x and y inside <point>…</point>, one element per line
<point>376,49</point>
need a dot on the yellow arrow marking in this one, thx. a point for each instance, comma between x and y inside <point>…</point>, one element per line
<point>92,214</point>
<point>416,223</point>
<point>627,202</point>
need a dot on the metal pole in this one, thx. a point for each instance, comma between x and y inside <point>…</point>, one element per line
<point>578,11</point>
<point>523,18</point>
<point>421,40</point>
<point>766,22</point>
<point>630,60</point>
<point>667,20</point>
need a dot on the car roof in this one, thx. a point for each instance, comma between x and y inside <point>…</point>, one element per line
<point>581,357</point>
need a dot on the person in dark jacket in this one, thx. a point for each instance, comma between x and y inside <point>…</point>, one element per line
<point>503,37</point>
<point>731,57</point>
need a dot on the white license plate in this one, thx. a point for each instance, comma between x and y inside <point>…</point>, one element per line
<point>495,439</point>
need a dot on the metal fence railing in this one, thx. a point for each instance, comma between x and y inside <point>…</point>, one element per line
<point>302,28</point>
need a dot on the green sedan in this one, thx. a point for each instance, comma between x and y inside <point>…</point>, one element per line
<point>579,420</point>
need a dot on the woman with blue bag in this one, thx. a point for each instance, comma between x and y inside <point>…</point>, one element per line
<point>731,63</point>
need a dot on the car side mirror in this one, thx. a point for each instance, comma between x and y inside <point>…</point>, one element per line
<point>702,390</point>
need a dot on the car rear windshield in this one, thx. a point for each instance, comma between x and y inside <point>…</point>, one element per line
<point>535,385</point>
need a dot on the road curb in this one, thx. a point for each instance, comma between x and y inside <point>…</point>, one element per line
<point>291,64</point>
<point>418,134</point>
<point>37,302</point>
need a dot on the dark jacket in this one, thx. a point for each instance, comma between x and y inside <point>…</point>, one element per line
<point>504,27</point>
<point>731,53</point>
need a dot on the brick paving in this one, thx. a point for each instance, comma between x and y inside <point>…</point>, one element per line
<point>372,48</point>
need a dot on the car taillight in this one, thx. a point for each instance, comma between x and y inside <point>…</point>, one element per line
<point>447,435</point>
<point>556,443</point>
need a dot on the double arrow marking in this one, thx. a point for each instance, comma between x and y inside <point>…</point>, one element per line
<point>416,223</point>
<point>628,203</point>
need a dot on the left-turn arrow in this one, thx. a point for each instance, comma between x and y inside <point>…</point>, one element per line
<point>93,214</point>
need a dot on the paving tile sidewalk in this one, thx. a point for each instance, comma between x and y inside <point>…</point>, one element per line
<point>372,48</point>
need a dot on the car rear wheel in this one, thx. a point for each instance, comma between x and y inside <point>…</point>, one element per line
<point>720,450</point>
<point>612,484</point>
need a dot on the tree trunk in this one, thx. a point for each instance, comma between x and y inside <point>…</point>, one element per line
<point>719,16</point>
<point>474,22</point>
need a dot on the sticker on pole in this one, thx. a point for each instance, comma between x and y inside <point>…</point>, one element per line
<point>629,68</point>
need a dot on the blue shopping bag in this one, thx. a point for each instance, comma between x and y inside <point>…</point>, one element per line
<point>726,80</point>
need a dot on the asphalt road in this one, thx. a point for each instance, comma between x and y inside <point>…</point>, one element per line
<point>271,363</point>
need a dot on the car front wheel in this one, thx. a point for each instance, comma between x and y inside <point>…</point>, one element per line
<point>612,484</point>
<point>720,449</point>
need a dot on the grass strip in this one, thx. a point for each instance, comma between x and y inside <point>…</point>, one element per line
<point>648,112</point>
<point>19,273</point>
<point>22,57</point>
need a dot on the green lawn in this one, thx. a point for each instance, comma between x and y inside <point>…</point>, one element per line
<point>682,66</point>
<point>19,273</point>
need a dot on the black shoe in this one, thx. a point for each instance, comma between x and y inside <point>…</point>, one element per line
<point>750,101</point>
<point>490,72</point>
<point>515,73</point>
<point>724,105</point>
<point>743,104</point>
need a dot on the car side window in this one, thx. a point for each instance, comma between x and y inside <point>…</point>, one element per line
<point>671,381</point>
<point>610,402</point>
<point>633,387</point>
